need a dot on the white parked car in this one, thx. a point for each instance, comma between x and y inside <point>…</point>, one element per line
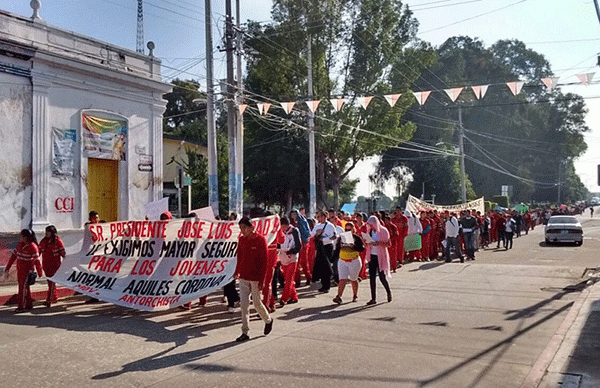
<point>564,229</point>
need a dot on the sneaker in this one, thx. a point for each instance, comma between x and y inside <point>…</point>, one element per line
<point>355,298</point>
<point>292,301</point>
<point>389,297</point>
<point>268,327</point>
<point>242,338</point>
<point>447,261</point>
<point>231,309</point>
<point>337,299</point>
<point>281,303</point>
<point>47,303</point>
<point>324,290</point>
<point>20,310</point>
<point>371,302</point>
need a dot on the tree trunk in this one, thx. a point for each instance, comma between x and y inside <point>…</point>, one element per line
<point>289,203</point>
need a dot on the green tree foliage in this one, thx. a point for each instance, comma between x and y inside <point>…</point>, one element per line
<point>358,48</point>
<point>518,141</point>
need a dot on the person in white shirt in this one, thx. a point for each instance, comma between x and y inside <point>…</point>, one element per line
<point>324,235</point>
<point>452,231</point>
<point>288,255</point>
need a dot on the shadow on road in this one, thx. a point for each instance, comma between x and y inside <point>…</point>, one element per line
<point>428,266</point>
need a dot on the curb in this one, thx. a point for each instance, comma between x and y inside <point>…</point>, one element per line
<point>38,295</point>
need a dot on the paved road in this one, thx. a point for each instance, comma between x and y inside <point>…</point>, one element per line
<point>488,323</point>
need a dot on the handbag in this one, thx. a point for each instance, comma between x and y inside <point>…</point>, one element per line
<point>412,242</point>
<point>31,277</point>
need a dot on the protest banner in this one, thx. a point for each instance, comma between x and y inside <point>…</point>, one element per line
<point>415,205</point>
<point>156,265</point>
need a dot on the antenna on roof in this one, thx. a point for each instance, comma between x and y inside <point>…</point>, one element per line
<point>140,28</point>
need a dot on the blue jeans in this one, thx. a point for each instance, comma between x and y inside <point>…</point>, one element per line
<point>454,242</point>
<point>470,244</point>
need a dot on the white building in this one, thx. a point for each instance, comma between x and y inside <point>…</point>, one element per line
<point>81,128</point>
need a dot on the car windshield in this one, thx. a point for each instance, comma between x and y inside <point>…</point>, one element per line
<point>562,220</point>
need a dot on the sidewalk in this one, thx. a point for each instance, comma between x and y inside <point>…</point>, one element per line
<point>9,289</point>
<point>572,358</point>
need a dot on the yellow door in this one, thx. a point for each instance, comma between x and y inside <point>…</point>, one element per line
<point>103,188</point>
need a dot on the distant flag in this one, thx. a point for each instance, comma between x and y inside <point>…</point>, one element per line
<point>586,78</point>
<point>312,105</point>
<point>242,109</point>
<point>287,106</point>
<point>392,98</point>
<point>515,87</point>
<point>422,96</point>
<point>337,103</point>
<point>550,82</point>
<point>364,101</point>
<point>263,108</point>
<point>453,93</point>
<point>480,91</point>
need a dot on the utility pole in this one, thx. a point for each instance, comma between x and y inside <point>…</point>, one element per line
<point>463,178</point>
<point>213,182</point>
<point>311,137</point>
<point>231,114</point>
<point>240,119</point>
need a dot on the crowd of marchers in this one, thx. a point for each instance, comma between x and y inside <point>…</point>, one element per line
<point>332,249</point>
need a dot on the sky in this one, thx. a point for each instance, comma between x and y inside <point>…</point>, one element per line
<point>566,32</point>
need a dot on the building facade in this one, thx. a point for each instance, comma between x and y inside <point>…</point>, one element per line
<point>82,128</point>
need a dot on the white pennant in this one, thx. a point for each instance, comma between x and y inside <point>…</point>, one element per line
<point>480,91</point>
<point>263,108</point>
<point>337,103</point>
<point>287,106</point>
<point>392,98</point>
<point>312,105</point>
<point>515,87</point>
<point>422,96</point>
<point>586,78</point>
<point>364,101</point>
<point>242,109</point>
<point>453,93</point>
<point>550,82</point>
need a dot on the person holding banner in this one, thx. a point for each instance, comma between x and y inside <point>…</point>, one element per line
<point>378,257</point>
<point>26,254</point>
<point>52,249</point>
<point>251,269</point>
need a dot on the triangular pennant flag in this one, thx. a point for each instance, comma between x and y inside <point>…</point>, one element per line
<point>337,103</point>
<point>312,105</point>
<point>480,91</point>
<point>242,109</point>
<point>287,106</point>
<point>263,108</point>
<point>364,101</point>
<point>550,82</point>
<point>586,78</point>
<point>515,87</point>
<point>422,96</point>
<point>392,98</point>
<point>453,93</point>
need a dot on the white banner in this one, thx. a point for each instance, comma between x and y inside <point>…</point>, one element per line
<point>156,265</point>
<point>415,205</point>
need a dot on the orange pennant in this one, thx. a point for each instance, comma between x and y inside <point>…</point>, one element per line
<point>392,98</point>
<point>586,78</point>
<point>337,103</point>
<point>312,105</point>
<point>288,106</point>
<point>364,101</point>
<point>550,82</point>
<point>242,109</point>
<point>480,91</point>
<point>453,93</point>
<point>515,87</point>
<point>422,96</point>
<point>263,108</point>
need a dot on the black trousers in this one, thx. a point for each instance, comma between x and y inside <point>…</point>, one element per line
<point>322,268</point>
<point>373,272</point>
<point>231,293</point>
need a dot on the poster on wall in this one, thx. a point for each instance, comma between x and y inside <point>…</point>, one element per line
<point>63,151</point>
<point>157,265</point>
<point>103,138</point>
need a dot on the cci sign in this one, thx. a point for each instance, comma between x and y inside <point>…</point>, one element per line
<point>64,204</point>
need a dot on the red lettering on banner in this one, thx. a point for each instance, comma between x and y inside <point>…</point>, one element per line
<point>144,229</point>
<point>64,204</point>
<point>145,268</point>
<point>191,229</point>
<point>96,231</point>
<point>196,268</point>
<point>105,264</point>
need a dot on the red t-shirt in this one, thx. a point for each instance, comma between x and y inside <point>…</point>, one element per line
<point>251,258</point>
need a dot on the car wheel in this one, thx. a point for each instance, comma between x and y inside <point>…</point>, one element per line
<point>579,243</point>
<point>547,242</point>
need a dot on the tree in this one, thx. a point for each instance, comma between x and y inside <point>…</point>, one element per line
<point>358,48</point>
<point>181,109</point>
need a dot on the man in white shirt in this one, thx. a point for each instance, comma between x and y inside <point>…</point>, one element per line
<point>324,235</point>
<point>452,232</point>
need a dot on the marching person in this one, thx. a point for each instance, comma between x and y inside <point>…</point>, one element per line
<point>349,264</point>
<point>251,269</point>
<point>452,232</point>
<point>414,227</point>
<point>52,249</point>
<point>324,236</point>
<point>26,254</point>
<point>288,255</point>
<point>301,223</point>
<point>378,258</point>
<point>469,224</point>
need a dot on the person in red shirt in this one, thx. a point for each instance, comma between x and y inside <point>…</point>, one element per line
<point>401,223</point>
<point>425,237</point>
<point>52,249</point>
<point>361,227</point>
<point>251,269</point>
<point>393,249</point>
<point>26,255</point>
